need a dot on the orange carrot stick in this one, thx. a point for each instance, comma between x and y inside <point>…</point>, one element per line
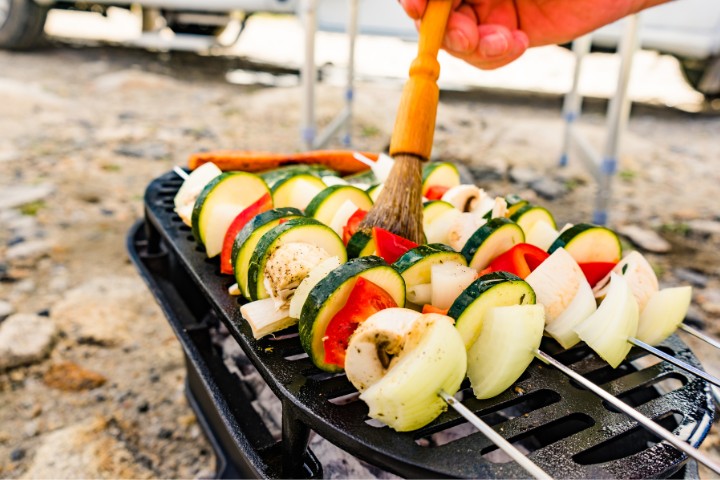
<point>252,161</point>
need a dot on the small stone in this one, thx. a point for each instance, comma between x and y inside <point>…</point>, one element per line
<point>523,176</point>
<point>86,450</point>
<point>143,407</point>
<point>709,301</point>
<point>6,309</point>
<point>648,240</point>
<point>165,433</point>
<point>549,188</point>
<point>15,196</point>
<point>692,277</point>
<point>156,151</point>
<point>704,227</point>
<point>25,339</point>
<point>17,454</point>
<point>71,377</point>
<point>29,251</point>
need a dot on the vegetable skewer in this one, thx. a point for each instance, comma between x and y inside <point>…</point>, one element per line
<point>632,413</point>
<point>495,437</point>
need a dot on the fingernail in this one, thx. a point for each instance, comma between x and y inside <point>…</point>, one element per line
<point>457,41</point>
<point>494,45</point>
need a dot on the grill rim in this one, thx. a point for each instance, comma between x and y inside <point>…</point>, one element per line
<point>159,215</point>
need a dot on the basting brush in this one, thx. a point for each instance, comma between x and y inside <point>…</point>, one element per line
<point>399,206</point>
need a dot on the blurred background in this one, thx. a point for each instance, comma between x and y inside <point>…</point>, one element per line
<point>99,98</point>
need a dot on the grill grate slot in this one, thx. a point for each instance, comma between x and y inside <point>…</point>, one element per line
<point>542,436</point>
<point>627,443</point>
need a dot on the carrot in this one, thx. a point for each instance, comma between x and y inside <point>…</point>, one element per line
<point>252,161</point>
<point>427,308</point>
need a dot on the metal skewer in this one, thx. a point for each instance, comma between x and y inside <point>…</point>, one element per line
<point>678,363</point>
<point>632,413</point>
<point>697,333</point>
<point>496,438</point>
<point>180,172</point>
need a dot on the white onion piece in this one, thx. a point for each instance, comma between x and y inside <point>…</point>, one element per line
<point>448,280</point>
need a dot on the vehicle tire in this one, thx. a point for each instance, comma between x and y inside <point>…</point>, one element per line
<point>703,75</point>
<point>22,24</point>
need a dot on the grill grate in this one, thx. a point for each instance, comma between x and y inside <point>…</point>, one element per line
<point>568,431</point>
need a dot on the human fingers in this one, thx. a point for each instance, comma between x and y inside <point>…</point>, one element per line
<point>416,8</point>
<point>497,46</point>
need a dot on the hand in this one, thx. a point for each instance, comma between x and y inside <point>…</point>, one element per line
<point>491,33</point>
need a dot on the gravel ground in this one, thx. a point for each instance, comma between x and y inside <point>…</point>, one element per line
<point>92,376</point>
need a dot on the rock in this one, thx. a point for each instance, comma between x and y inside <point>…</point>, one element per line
<point>648,240</point>
<point>29,251</point>
<point>549,188</point>
<point>25,339</point>
<point>524,176</point>
<point>6,309</point>
<point>101,310</point>
<point>156,151</point>
<point>704,227</point>
<point>692,277</point>
<point>15,196</point>
<point>85,451</point>
<point>709,301</point>
<point>7,156</point>
<point>71,377</point>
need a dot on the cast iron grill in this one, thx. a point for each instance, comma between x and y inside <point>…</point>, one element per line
<point>565,429</point>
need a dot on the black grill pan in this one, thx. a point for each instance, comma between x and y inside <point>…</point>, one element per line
<point>568,431</point>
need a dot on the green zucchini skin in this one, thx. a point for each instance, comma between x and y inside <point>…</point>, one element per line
<point>492,289</point>
<point>262,249</point>
<point>359,243</point>
<point>275,175</point>
<point>492,227</point>
<point>258,221</point>
<point>417,262</point>
<point>607,241</point>
<point>326,291</point>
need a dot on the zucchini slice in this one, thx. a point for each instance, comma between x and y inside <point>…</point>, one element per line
<point>433,209</point>
<point>361,244</point>
<point>296,191</point>
<point>297,230</point>
<point>444,174</point>
<point>219,203</point>
<point>497,236</point>
<point>414,265</point>
<point>275,175</point>
<point>505,347</point>
<point>528,215</point>
<point>324,205</point>
<point>249,236</point>
<point>329,295</point>
<point>496,289</point>
<point>589,243</point>
<point>364,179</point>
<point>514,203</point>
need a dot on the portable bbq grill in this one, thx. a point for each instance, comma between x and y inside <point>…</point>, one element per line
<point>566,430</point>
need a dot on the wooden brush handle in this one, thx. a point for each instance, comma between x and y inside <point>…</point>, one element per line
<point>415,121</point>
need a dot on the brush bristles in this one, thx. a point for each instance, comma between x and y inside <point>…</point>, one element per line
<point>399,206</point>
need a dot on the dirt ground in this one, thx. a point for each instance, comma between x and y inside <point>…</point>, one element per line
<point>93,125</point>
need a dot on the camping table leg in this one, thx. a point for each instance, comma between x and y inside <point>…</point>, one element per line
<point>617,119</point>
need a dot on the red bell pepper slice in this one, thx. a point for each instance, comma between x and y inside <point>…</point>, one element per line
<point>365,299</point>
<point>262,204</point>
<point>390,246</point>
<point>520,260</point>
<point>435,192</point>
<point>596,271</point>
<point>352,224</point>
